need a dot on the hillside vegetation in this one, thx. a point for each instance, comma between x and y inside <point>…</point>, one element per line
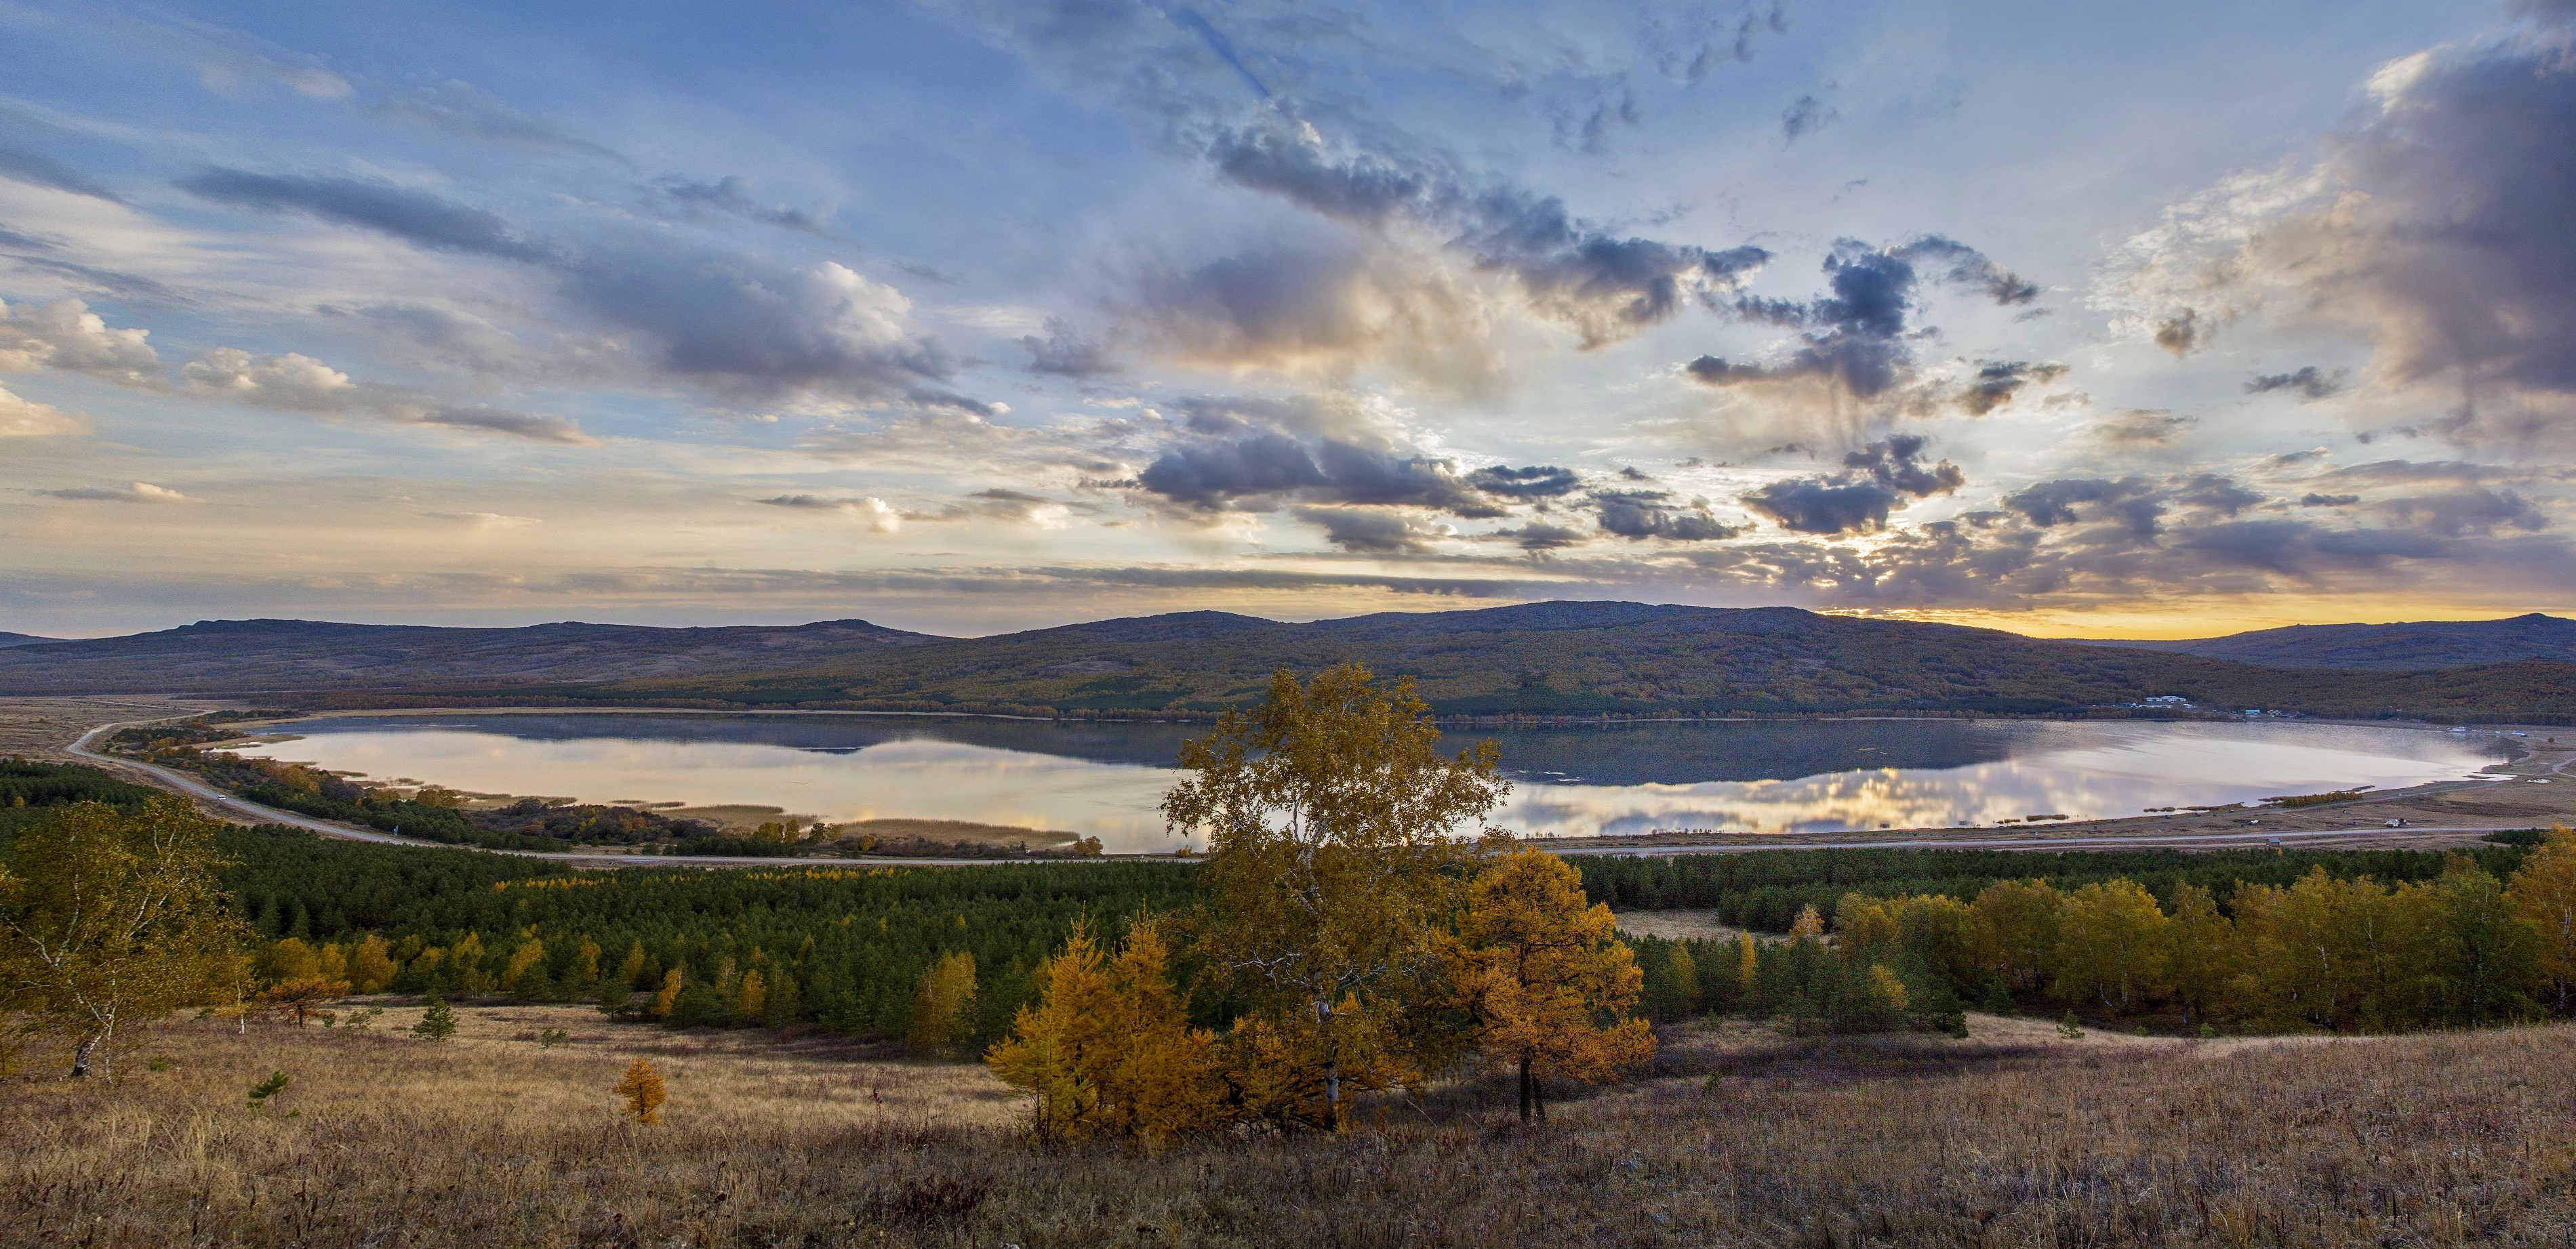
<point>1591,658</point>
<point>2414,646</point>
<point>1578,659</point>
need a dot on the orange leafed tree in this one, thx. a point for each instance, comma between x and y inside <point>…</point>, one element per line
<point>2544,896</point>
<point>1547,977</point>
<point>642,1092</point>
<point>1107,1048</point>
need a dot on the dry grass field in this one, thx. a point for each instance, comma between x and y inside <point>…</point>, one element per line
<point>2015,1137</point>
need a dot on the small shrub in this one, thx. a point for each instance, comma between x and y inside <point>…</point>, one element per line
<point>551,1038</point>
<point>642,1089</point>
<point>437,1023</point>
<point>261,1092</point>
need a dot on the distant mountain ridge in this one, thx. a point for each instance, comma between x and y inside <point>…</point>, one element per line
<point>2415,646</point>
<point>1554,658</point>
<point>22,639</point>
<point>242,656</point>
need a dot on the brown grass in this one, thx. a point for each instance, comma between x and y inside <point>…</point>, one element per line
<point>2014,1137</point>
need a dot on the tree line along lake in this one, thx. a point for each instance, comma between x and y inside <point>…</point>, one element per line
<point>1105,779</point>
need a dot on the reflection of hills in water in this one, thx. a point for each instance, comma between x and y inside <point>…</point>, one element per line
<point>1639,754</point>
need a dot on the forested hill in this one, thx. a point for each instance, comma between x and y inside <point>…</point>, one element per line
<point>239,656</point>
<point>20,639</point>
<point>1538,658</point>
<point>1584,658</point>
<point>2411,647</point>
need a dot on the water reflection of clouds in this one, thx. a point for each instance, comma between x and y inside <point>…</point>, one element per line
<point>2074,769</point>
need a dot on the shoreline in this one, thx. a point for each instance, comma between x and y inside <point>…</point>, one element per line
<point>2432,813</point>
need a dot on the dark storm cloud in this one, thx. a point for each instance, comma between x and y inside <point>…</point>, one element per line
<point>2309,380</point>
<point>2328,500</point>
<point>1857,336</point>
<point>1825,506</point>
<point>416,217</point>
<point>731,195</point>
<point>1533,482</point>
<point>1258,470</point>
<point>38,169</point>
<point>1641,514</point>
<point>1542,536</point>
<point>1875,480</point>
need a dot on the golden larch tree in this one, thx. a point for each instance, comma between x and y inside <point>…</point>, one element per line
<point>1107,1049</point>
<point>943,1004</point>
<point>1547,977</point>
<point>642,1092</point>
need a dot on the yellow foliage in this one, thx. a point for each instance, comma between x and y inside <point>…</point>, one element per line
<point>942,1006</point>
<point>2544,896</point>
<point>1886,989</point>
<point>1547,976</point>
<point>1864,923</point>
<point>642,1092</point>
<point>371,967</point>
<point>1748,961</point>
<point>1107,1048</point>
<point>751,997</point>
<point>669,994</point>
<point>1809,926</point>
<point>529,956</point>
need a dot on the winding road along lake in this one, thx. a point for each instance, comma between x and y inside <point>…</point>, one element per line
<point>1104,780</point>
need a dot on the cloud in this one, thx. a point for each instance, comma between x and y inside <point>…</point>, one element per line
<point>1877,479</point>
<point>486,520</point>
<point>1805,117</point>
<point>1065,353</point>
<point>1374,530</point>
<point>26,418</point>
<point>737,325</point>
<point>2309,380</point>
<point>38,169</point>
<point>299,383</point>
<point>416,217</point>
<point>1640,514</point>
<point>1317,311</point>
<point>1252,454</point>
<point>461,108</point>
<point>1997,381</point>
<point>66,335</point>
<point>1857,337</point>
<point>2328,500</point>
<point>1541,535</point>
<point>2136,504</point>
<point>728,195</point>
<point>2433,227</point>
<point>2142,428</point>
<point>881,516</point>
<point>131,492</point>
<point>1532,482</point>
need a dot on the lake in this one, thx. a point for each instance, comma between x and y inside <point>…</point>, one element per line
<point>1104,780</point>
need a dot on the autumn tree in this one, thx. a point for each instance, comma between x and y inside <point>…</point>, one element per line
<point>2543,893</point>
<point>1332,821</point>
<point>302,996</point>
<point>1547,978</point>
<point>2112,945</point>
<point>1107,1048</point>
<point>114,919</point>
<point>642,1092</point>
<point>943,1006</point>
<point>2203,958</point>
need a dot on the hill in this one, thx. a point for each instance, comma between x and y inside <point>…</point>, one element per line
<point>1532,659</point>
<point>260,656</point>
<point>21,639</point>
<point>2410,647</point>
<point>1551,658</point>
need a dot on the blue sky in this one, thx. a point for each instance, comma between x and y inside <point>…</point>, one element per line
<point>983,316</point>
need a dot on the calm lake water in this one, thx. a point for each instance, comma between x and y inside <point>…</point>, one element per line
<point>1104,780</point>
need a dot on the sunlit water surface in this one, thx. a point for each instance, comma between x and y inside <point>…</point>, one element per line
<point>1105,780</point>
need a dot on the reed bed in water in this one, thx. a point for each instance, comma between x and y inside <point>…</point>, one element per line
<point>2013,1137</point>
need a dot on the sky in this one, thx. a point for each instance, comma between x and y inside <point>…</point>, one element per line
<point>2144,321</point>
